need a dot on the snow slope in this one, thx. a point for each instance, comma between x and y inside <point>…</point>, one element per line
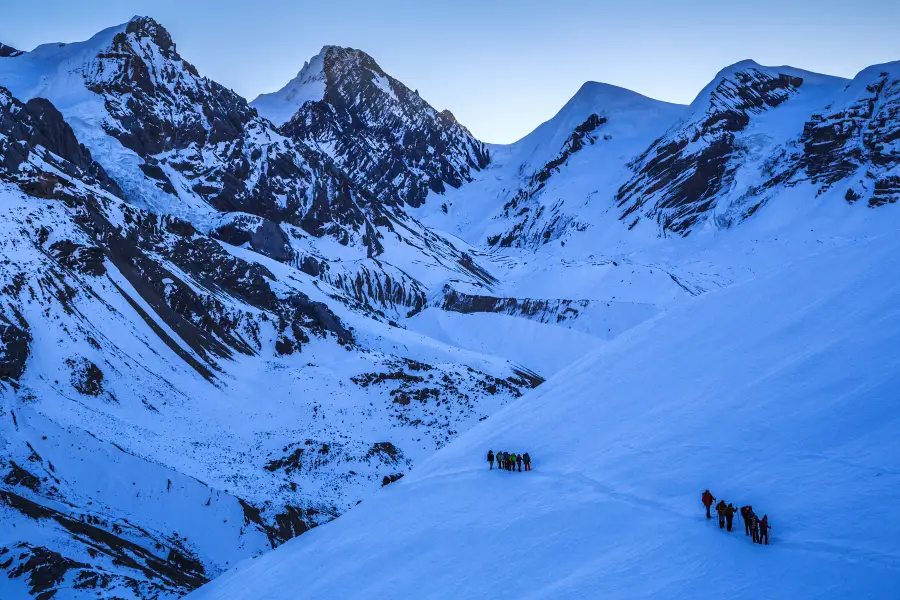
<point>779,392</point>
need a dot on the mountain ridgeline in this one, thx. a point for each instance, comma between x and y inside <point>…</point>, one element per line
<point>390,140</point>
<point>224,323</point>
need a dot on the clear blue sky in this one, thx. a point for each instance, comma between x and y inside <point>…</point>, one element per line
<point>501,66</point>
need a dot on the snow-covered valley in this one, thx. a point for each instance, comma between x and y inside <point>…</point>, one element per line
<point>225,324</point>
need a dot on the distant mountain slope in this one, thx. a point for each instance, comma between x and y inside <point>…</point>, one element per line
<point>589,142</point>
<point>383,134</point>
<point>170,403</point>
<point>707,166</point>
<point>776,393</point>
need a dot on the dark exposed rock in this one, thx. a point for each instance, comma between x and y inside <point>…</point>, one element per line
<point>8,51</point>
<point>44,568</point>
<point>287,525</point>
<point>15,347</point>
<point>19,476</point>
<point>533,226</point>
<point>261,234</point>
<point>573,144</point>
<point>163,110</point>
<point>857,135</point>
<point>386,450</point>
<point>389,479</point>
<point>123,552</point>
<point>457,301</point>
<point>88,261</point>
<point>86,377</point>
<point>202,321</point>
<point>290,463</point>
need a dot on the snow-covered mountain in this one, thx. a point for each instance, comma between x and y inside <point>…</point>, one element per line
<point>383,134</point>
<point>224,324</point>
<point>173,402</point>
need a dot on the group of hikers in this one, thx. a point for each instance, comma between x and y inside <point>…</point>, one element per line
<point>508,461</point>
<point>753,525</point>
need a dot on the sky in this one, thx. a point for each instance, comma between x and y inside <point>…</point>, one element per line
<point>501,66</point>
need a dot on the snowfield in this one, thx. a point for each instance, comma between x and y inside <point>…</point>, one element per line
<point>779,392</point>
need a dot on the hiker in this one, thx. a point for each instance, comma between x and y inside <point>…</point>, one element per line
<point>519,462</point>
<point>764,529</point>
<point>729,515</point>
<point>491,458</point>
<point>512,462</point>
<point>527,460</point>
<point>720,510</point>
<point>707,498</point>
<point>754,527</point>
<point>745,515</point>
<point>506,461</point>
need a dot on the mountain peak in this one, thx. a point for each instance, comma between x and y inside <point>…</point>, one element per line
<point>341,60</point>
<point>148,27</point>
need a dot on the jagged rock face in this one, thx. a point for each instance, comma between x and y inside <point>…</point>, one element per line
<point>202,151</point>
<point>36,127</point>
<point>263,235</point>
<point>858,133</point>
<point>382,133</point>
<point>154,95</point>
<point>679,179</point>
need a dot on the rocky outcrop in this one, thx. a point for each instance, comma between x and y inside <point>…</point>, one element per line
<point>856,142</point>
<point>36,127</point>
<point>262,235</point>
<point>15,347</point>
<point>8,51</point>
